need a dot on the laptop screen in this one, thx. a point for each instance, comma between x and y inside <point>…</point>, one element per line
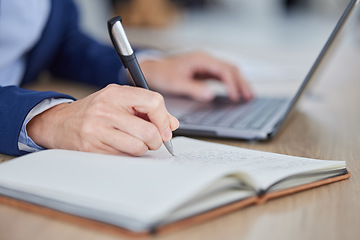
<point>324,55</point>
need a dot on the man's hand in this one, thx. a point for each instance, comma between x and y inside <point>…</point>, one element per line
<point>114,120</point>
<point>180,75</point>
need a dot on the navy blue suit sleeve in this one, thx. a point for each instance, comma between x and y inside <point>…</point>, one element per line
<point>80,57</point>
<point>15,104</point>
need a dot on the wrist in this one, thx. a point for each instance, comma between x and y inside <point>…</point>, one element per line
<point>42,129</point>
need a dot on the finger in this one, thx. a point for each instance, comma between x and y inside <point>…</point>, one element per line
<point>242,85</point>
<point>197,90</point>
<point>152,104</point>
<point>235,84</point>
<point>227,77</point>
<point>124,142</point>
<point>95,145</point>
<point>221,71</point>
<point>110,140</point>
<point>106,149</point>
<point>137,127</point>
<point>174,122</point>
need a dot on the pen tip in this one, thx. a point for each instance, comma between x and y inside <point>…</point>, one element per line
<point>169,147</point>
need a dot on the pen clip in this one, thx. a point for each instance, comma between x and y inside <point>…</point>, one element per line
<point>110,25</point>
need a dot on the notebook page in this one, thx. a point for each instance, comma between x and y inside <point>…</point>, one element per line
<point>265,168</point>
<point>141,189</point>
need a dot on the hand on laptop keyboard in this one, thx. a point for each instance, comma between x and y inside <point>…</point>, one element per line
<point>181,75</point>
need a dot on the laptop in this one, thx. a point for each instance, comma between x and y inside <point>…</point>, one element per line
<point>259,119</point>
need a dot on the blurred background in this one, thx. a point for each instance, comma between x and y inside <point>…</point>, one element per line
<point>272,41</point>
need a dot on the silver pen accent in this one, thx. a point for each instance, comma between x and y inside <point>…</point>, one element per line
<point>127,56</point>
<point>169,147</point>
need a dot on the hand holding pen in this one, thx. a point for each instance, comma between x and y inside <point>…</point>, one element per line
<point>127,56</point>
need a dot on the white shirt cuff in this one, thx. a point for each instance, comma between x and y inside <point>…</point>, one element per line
<point>25,143</point>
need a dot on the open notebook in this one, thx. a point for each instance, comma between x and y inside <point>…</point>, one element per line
<point>141,194</point>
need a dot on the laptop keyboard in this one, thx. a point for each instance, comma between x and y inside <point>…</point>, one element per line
<point>252,115</point>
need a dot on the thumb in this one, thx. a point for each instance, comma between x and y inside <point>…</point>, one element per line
<point>197,90</point>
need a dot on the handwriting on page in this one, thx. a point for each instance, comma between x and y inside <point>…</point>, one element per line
<point>266,168</point>
<point>239,159</point>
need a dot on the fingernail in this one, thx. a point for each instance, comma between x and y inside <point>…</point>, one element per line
<point>167,134</point>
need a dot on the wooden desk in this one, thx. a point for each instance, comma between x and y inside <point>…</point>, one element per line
<point>325,126</point>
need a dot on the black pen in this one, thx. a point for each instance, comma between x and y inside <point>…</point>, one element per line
<point>127,56</point>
